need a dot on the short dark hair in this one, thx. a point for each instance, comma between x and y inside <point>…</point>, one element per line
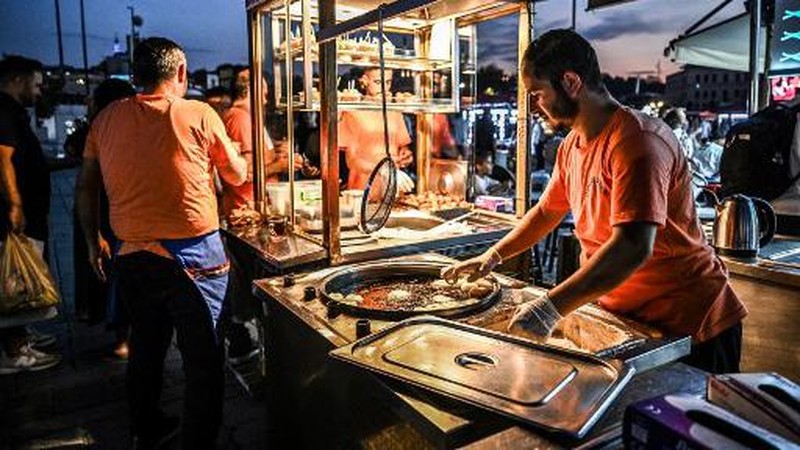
<point>156,60</point>
<point>13,66</point>
<point>673,118</point>
<point>556,52</point>
<point>111,90</point>
<point>240,88</point>
<point>217,91</point>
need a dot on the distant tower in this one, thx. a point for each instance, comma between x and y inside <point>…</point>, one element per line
<point>117,46</point>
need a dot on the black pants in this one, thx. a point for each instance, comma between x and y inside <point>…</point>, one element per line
<point>720,354</point>
<point>160,297</point>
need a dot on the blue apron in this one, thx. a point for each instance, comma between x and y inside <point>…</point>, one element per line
<point>204,260</point>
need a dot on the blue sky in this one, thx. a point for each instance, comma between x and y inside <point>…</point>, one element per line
<point>627,37</point>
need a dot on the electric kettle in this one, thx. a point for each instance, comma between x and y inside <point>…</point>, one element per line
<point>742,225</point>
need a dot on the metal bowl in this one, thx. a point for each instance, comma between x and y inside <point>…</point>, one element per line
<point>350,279</point>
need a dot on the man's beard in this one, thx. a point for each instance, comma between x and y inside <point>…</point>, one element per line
<point>564,110</point>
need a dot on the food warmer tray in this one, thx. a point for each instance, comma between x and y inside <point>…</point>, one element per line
<point>559,390</point>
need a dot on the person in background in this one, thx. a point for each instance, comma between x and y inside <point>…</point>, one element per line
<point>239,126</point>
<point>678,123</point>
<point>676,119</point>
<point>707,158</point>
<point>362,138</point>
<point>625,180</point>
<point>443,144</point>
<point>219,98</point>
<point>156,154</point>
<point>484,183</point>
<point>24,195</point>
<point>94,294</point>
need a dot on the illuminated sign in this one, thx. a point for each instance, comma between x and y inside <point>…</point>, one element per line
<point>785,51</point>
<point>784,88</point>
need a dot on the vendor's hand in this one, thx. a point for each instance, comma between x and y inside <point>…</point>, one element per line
<point>404,182</point>
<point>17,219</point>
<point>404,158</point>
<point>99,251</point>
<point>536,318</point>
<point>477,267</point>
<point>299,161</point>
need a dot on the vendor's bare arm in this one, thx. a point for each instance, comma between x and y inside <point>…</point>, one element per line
<point>88,199</point>
<point>629,247</point>
<point>8,184</point>
<point>533,227</point>
<point>235,172</point>
<point>8,176</point>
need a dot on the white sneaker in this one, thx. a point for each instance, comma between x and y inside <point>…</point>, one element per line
<point>38,339</point>
<point>28,360</point>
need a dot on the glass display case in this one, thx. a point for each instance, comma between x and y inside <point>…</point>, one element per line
<point>419,54</point>
<point>312,56</point>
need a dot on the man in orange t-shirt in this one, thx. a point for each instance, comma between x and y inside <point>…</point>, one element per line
<point>156,154</point>
<point>239,125</point>
<point>627,183</point>
<point>361,133</point>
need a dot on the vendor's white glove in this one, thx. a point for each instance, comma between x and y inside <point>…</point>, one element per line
<point>536,318</point>
<point>477,267</point>
<point>404,182</point>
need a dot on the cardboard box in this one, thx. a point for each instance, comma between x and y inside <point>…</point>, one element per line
<point>685,422</point>
<point>766,399</point>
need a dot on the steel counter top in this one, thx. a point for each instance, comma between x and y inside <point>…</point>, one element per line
<point>296,252</point>
<point>778,262</point>
<point>444,423</point>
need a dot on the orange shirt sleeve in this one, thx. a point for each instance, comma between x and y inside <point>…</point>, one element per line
<point>92,149</point>
<point>221,151</point>
<point>555,198</point>
<point>239,129</point>
<point>640,166</point>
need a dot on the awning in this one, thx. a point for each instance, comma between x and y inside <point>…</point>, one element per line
<point>725,45</point>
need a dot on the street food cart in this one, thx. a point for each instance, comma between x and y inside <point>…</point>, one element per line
<point>350,317</point>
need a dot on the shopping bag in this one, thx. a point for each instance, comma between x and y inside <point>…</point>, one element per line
<point>26,281</point>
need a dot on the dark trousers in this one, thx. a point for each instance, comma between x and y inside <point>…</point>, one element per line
<point>720,354</point>
<point>160,297</point>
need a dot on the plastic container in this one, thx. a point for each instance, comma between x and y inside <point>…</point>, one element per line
<point>305,191</point>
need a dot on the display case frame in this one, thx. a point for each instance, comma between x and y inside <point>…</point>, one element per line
<point>423,13</point>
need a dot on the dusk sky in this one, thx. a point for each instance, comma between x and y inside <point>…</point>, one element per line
<point>628,37</point>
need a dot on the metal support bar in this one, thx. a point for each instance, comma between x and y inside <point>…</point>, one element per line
<point>348,26</point>
<point>256,34</point>
<point>290,110</point>
<point>755,43</point>
<point>329,139</point>
<point>522,175</point>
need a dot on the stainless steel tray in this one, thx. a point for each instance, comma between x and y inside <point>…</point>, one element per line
<point>556,389</point>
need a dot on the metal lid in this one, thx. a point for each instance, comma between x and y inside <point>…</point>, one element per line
<point>556,389</point>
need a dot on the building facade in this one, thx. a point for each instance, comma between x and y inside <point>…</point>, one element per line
<point>704,89</point>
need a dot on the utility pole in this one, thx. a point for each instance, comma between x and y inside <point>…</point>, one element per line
<point>131,42</point>
<point>60,39</point>
<point>574,9</point>
<point>85,56</point>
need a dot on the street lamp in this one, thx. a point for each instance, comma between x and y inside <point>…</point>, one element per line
<point>136,21</point>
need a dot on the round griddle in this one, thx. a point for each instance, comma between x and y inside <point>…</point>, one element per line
<point>350,279</point>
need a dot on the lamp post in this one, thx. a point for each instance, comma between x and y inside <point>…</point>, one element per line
<point>60,39</point>
<point>131,43</point>
<point>136,21</point>
<point>85,56</point>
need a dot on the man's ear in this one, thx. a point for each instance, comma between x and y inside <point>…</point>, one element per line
<point>182,73</point>
<point>572,83</point>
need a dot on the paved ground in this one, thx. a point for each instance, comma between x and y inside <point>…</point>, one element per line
<point>81,403</point>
